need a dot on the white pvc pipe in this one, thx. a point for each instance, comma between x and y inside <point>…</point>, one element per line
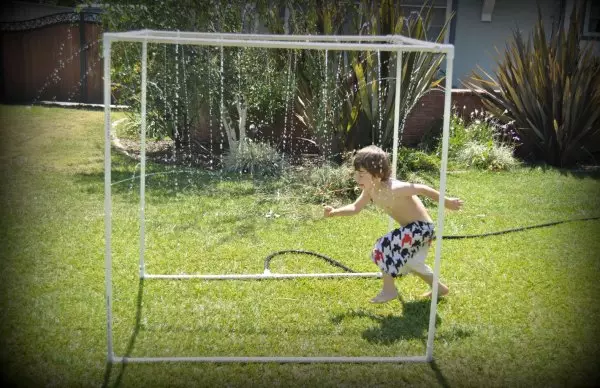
<point>278,37</point>
<point>259,359</point>
<point>145,37</point>
<point>281,44</point>
<point>396,118</point>
<point>440,223</point>
<point>447,20</point>
<point>267,275</point>
<point>397,111</point>
<point>143,161</point>
<point>107,201</point>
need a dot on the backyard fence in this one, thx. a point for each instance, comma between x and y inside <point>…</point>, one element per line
<point>58,58</point>
<point>55,57</point>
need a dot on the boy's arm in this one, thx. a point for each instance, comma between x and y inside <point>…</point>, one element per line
<point>424,190</point>
<point>350,209</point>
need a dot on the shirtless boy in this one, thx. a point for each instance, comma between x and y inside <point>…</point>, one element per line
<point>402,250</point>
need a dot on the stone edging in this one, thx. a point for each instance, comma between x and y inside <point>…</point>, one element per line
<point>114,140</point>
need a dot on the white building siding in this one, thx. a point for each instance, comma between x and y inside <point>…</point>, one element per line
<point>476,41</point>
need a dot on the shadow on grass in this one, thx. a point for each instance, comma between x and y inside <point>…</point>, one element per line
<point>582,172</point>
<point>439,375</point>
<point>130,345</point>
<point>162,184</point>
<point>412,324</point>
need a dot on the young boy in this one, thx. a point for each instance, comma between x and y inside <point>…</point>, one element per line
<point>402,250</point>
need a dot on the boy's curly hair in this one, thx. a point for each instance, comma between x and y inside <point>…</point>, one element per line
<point>374,160</point>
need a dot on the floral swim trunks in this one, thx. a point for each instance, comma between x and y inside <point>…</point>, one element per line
<point>399,246</point>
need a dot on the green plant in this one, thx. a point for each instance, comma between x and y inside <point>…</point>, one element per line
<point>413,160</point>
<point>318,182</point>
<point>489,156</point>
<point>550,88</point>
<point>470,136</point>
<point>130,127</point>
<point>197,89</point>
<point>458,136</point>
<point>254,158</point>
<point>375,82</point>
<point>342,93</point>
<point>325,102</point>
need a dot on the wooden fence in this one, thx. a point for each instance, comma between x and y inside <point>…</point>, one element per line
<point>55,58</point>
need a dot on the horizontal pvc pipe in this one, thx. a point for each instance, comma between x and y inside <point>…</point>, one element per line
<point>265,276</point>
<point>352,46</point>
<point>154,173</point>
<point>272,359</point>
<point>279,37</point>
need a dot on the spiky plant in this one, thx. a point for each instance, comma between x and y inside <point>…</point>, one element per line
<point>420,70</point>
<point>549,87</point>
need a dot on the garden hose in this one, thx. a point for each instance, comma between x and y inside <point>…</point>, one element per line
<point>455,237</point>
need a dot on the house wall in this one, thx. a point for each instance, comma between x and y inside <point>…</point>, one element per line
<point>427,115</point>
<point>593,42</point>
<point>476,41</point>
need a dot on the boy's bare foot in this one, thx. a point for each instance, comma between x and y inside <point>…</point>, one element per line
<point>442,291</point>
<point>385,296</point>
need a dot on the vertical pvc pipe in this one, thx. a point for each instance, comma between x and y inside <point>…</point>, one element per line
<point>440,225</point>
<point>449,4</point>
<point>107,201</point>
<point>397,111</point>
<point>396,118</point>
<point>143,162</point>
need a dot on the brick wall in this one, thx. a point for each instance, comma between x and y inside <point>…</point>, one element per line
<point>428,113</point>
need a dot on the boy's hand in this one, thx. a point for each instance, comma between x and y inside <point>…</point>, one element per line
<point>454,203</point>
<point>327,211</point>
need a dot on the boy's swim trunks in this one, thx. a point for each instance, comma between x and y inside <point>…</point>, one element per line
<point>399,246</point>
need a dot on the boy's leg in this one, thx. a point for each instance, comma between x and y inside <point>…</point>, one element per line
<point>388,291</point>
<point>417,266</point>
<point>428,278</point>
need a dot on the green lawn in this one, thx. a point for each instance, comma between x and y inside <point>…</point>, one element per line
<point>522,309</point>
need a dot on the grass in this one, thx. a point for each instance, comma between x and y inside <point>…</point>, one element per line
<point>523,309</point>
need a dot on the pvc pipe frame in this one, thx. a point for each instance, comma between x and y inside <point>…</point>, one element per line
<point>398,44</point>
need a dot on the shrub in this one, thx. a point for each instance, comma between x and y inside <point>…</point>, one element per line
<point>323,182</point>
<point>413,160</point>
<point>480,126</point>
<point>550,88</point>
<point>458,136</point>
<point>130,127</point>
<point>490,156</point>
<point>254,158</point>
<point>480,134</point>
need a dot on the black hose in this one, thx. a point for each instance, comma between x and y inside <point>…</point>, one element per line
<point>302,252</point>
<point>519,229</point>
<point>456,237</point>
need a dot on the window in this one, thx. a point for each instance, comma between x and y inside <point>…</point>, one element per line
<point>591,22</point>
<point>439,13</point>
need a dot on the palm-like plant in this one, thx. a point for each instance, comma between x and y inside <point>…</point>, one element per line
<point>376,89</point>
<point>354,89</point>
<point>550,88</point>
<point>325,101</point>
